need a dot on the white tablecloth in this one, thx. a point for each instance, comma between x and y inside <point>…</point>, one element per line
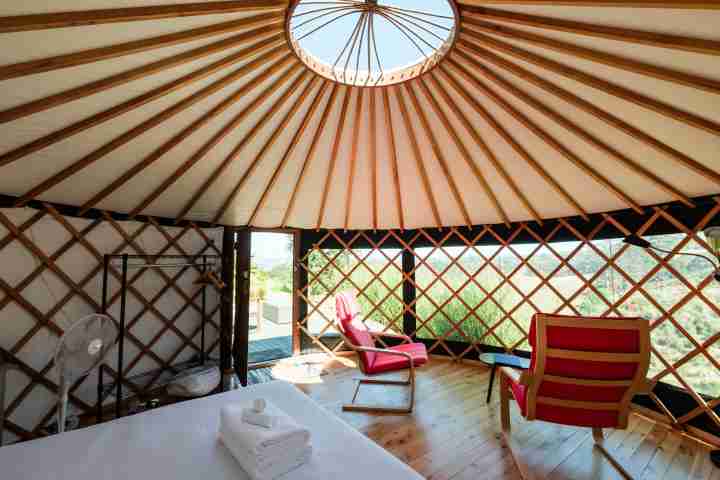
<point>180,442</point>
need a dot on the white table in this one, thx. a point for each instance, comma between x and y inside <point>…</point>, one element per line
<point>180,442</point>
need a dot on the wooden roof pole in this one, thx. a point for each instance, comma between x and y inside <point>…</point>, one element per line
<point>393,153</point>
<point>592,81</point>
<point>598,113</point>
<point>548,139</point>
<point>520,150</point>
<point>217,138</point>
<point>143,127</point>
<point>333,156</point>
<point>576,129</point>
<point>438,153</point>
<point>683,4</point>
<point>113,81</point>
<point>417,155</point>
<point>44,21</point>
<point>611,60</point>
<point>464,152</point>
<point>232,156</point>
<point>136,102</point>
<point>353,153</point>
<point>373,160</point>
<point>291,148</point>
<point>268,144</point>
<point>136,46</point>
<point>492,158</point>
<point>310,154</point>
<point>640,37</point>
<point>186,132</point>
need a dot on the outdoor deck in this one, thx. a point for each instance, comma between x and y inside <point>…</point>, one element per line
<point>454,434</point>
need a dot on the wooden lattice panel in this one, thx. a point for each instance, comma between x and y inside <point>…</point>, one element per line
<point>480,287</point>
<point>51,275</point>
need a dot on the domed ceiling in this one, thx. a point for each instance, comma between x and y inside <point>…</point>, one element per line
<point>359,114</point>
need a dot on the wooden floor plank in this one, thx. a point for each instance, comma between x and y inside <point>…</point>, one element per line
<point>454,435</point>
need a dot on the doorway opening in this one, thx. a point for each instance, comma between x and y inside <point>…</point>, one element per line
<point>271,297</point>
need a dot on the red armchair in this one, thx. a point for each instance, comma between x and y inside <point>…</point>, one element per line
<point>584,371</point>
<point>373,360</point>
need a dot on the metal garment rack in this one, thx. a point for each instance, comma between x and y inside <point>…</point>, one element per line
<point>126,265</point>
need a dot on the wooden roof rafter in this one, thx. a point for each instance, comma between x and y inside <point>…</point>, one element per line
<point>418,156</point>
<point>215,175</point>
<point>290,149</point>
<point>268,144</point>
<point>333,156</point>
<point>392,147</point>
<point>310,154</point>
<point>625,35</point>
<point>195,126</point>
<point>642,68</point>
<point>216,139</point>
<point>577,75</point>
<point>355,139</point>
<point>549,139</point>
<point>608,118</point>
<point>143,127</point>
<point>522,152</point>
<point>576,129</point>
<point>136,102</point>
<point>82,91</point>
<point>44,21</point>
<point>435,146</point>
<point>136,46</point>
<point>464,152</point>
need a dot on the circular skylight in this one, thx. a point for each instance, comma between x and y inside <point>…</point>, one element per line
<point>371,42</point>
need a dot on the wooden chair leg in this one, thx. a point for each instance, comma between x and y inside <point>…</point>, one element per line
<point>504,402</point>
<point>599,439</point>
<point>410,383</point>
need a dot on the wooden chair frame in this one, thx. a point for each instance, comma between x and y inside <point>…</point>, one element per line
<point>408,382</point>
<point>533,379</point>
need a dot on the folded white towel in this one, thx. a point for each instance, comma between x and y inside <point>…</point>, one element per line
<point>267,470</point>
<point>267,455</point>
<point>286,434</point>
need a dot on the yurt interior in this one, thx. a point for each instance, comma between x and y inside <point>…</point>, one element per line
<point>360,239</point>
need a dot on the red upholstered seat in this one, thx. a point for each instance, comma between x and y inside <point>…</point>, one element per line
<point>385,362</point>
<point>584,340</point>
<point>347,311</point>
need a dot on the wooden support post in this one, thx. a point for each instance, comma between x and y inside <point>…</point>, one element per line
<point>242,304</point>
<point>226,301</point>
<point>304,341</point>
<point>408,291</point>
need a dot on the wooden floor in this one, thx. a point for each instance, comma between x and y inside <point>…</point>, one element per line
<point>453,434</point>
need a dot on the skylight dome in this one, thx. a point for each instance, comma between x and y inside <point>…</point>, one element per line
<point>371,42</point>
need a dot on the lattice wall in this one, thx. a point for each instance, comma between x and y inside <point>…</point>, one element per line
<point>478,288</point>
<point>51,275</point>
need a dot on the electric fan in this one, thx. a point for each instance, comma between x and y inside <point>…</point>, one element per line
<point>80,349</point>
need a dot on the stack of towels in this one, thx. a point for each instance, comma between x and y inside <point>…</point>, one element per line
<point>263,439</point>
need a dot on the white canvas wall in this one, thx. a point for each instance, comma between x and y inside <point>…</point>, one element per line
<point>47,290</point>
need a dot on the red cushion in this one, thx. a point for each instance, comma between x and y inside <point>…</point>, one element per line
<point>566,416</point>
<point>346,308</point>
<point>584,339</point>
<point>360,337</point>
<point>385,362</point>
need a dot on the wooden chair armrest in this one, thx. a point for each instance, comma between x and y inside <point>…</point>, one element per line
<point>386,350</point>
<point>516,376</point>
<point>390,335</point>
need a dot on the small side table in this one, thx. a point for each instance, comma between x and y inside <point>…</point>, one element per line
<point>493,360</point>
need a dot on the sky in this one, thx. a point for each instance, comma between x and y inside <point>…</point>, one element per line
<point>394,48</point>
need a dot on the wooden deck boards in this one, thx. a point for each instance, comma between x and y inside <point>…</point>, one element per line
<point>454,435</point>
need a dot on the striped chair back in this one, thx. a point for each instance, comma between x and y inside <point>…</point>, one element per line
<point>585,371</point>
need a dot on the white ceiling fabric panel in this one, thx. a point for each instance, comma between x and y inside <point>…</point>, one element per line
<point>554,145</point>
